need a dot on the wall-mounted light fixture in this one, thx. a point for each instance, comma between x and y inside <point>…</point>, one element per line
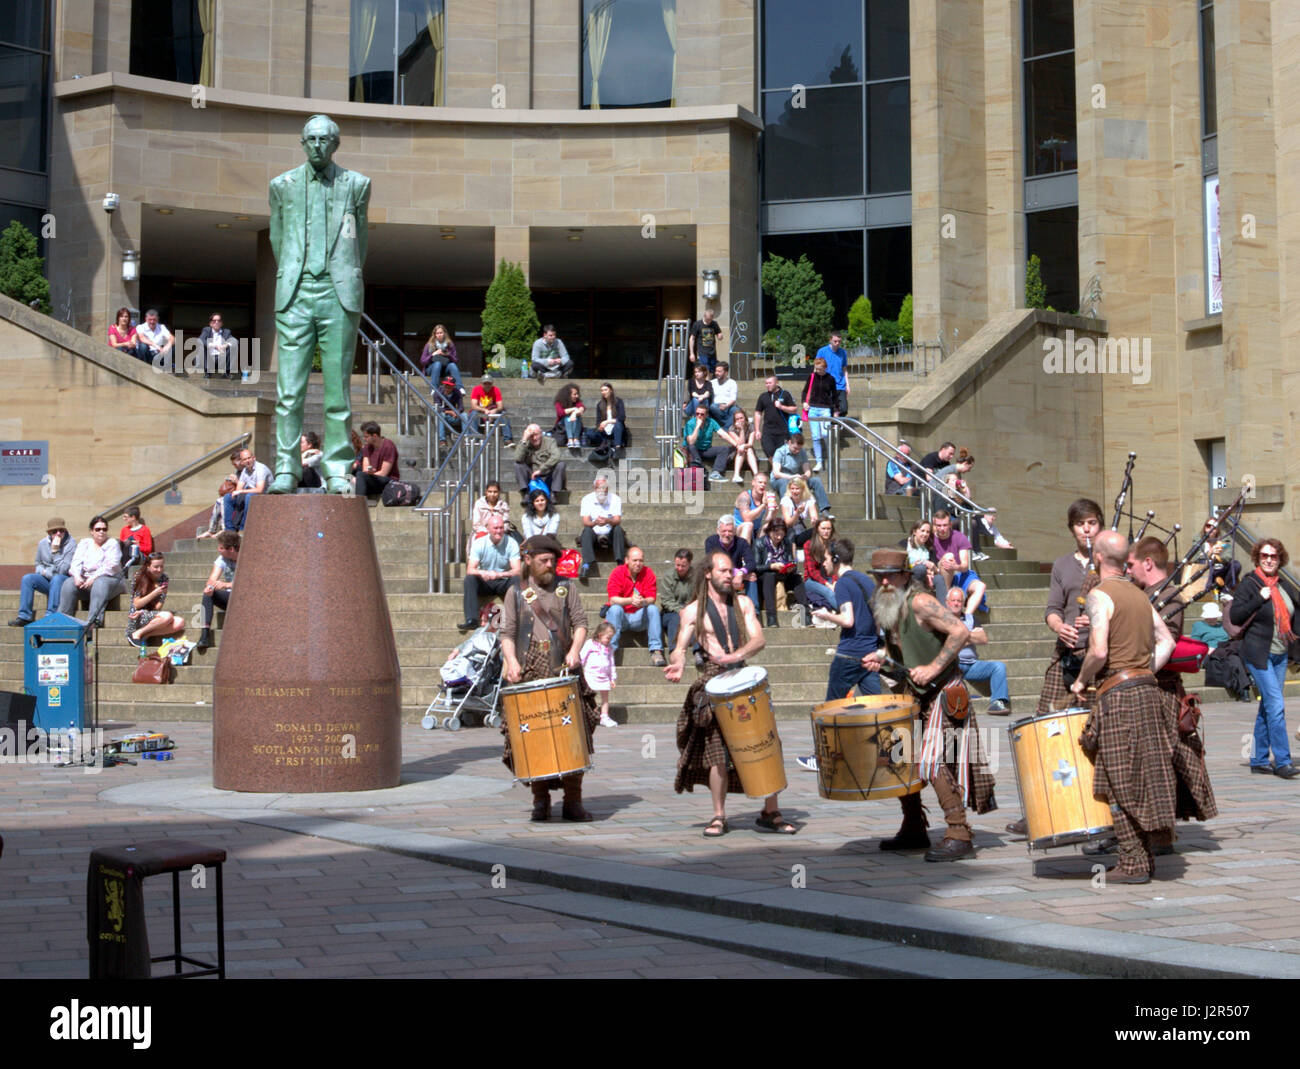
<point>130,265</point>
<point>712,289</point>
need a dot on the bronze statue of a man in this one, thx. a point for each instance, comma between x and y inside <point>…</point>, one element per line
<point>318,235</point>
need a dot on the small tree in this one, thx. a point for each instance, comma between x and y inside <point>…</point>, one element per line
<point>509,319</point>
<point>860,322</point>
<point>1035,288</point>
<point>22,270</point>
<point>905,321</point>
<point>804,313</point>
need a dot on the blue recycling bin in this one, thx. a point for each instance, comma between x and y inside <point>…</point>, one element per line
<point>57,670</point>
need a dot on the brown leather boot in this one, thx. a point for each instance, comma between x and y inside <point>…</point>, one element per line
<point>912,835</point>
<point>541,804</point>
<point>573,808</point>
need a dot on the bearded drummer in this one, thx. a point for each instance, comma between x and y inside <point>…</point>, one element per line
<point>728,631</point>
<point>1127,644</point>
<point>1065,616</point>
<point>1148,567</point>
<point>542,632</point>
<point>926,638</point>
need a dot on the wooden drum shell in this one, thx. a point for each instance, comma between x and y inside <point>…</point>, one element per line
<point>748,723</point>
<point>542,744</point>
<point>866,748</point>
<point>1054,777</point>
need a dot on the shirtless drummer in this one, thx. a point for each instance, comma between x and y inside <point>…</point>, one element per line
<point>728,630</point>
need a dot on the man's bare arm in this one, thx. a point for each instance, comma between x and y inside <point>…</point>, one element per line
<point>1164,643</point>
<point>929,613</point>
<point>1099,608</point>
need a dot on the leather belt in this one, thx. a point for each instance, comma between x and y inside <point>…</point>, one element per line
<point>1125,676</point>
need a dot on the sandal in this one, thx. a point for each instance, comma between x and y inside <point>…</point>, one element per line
<point>716,828</point>
<point>772,822</point>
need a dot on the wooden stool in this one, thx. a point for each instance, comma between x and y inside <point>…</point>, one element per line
<point>119,941</point>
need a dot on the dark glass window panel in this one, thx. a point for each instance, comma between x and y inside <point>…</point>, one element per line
<point>637,71</point>
<point>816,150</point>
<point>370,63</point>
<point>166,40</point>
<point>1050,125</point>
<point>25,22</point>
<point>889,269</point>
<point>1209,92</point>
<point>1049,27</point>
<point>1053,236</point>
<point>22,108</point>
<point>889,138</point>
<point>837,256</point>
<point>801,47</point>
<point>888,43</point>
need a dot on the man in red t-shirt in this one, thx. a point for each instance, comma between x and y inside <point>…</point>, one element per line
<point>378,461</point>
<point>486,402</point>
<point>631,604</point>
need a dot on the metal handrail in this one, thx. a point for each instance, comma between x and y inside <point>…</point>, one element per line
<point>434,412</point>
<point>875,444</point>
<point>476,473</point>
<point>182,472</point>
<point>672,379</point>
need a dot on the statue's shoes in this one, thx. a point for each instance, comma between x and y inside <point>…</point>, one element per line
<point>338,484</point>
<point>284,484</point>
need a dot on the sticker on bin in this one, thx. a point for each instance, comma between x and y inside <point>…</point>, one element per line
<point>46,676</point>
<point>51,660</point>
<point>54,697</point>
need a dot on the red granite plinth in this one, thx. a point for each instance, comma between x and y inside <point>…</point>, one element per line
<point>306,696</point>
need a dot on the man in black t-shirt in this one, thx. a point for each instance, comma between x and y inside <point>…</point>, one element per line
<point>702,345</point>
<point>772,414</point>
<point>941,458</point>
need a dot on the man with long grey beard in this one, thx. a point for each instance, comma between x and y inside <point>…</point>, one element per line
<point>926,638</point>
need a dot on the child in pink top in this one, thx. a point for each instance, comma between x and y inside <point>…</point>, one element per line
<point>598,668</point>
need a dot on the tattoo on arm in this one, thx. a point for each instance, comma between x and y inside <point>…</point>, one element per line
<point>929,613</point>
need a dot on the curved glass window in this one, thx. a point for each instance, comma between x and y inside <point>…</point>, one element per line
<point>398,52</point>
<point>629,53</point>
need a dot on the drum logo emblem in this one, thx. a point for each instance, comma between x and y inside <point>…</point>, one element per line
<point>523,729</point>
<point>565,720</point>
<point>1065,773</point>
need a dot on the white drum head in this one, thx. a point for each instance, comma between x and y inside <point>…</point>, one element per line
<point>737,681</point>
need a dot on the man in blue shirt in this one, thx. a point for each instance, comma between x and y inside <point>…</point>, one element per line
<point>858,637</point>
<point>898,475</point>
<point>494,566</point>
<point>837,364</point>
<point>992,672</point>
<point>790,461</point>
<point>706,440</point>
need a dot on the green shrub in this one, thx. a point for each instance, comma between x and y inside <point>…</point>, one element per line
<point>885,333</point>
<point>22,270</point>
<point>509,320</point>
<point>860,322</point>
<point>1035,288</point>
<point>804,313</point>
<point>905,320</point>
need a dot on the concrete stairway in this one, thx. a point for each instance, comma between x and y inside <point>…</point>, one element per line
<point>797,659</point>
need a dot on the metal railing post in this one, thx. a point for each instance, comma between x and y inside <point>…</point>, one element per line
<point>430,570</point>
<point>871,484</point>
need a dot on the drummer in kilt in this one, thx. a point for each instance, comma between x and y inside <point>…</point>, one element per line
<point>927,638</point>
<point>544,623</point>
<point>1065,616</point>
<point>1148,567</point>
<point>1129,731</point>
<point>728,631</point>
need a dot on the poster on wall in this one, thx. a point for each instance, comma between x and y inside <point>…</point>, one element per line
<point>1213,263</point>
<point>24,463</point>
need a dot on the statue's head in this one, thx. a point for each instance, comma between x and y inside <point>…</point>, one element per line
<point>320,140</point>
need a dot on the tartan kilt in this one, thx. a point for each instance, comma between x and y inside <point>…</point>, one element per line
<point>1056,695</point>
<point>537,665</point>
<point>1134,764</point>
<point>979,778</point>
<point>1195,795</point>
<point>700,745</point>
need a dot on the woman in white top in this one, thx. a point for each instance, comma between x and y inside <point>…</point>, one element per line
<point>540,518</point>
<point>95,576</point>
<point>800,511</point>
<point>748,437</point>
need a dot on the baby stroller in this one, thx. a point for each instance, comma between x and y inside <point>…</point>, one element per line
<point>471,681</point>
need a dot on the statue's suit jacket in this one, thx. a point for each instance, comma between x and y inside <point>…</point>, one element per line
<point>347,241</point>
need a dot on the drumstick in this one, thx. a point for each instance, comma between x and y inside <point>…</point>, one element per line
<point>888,662</point>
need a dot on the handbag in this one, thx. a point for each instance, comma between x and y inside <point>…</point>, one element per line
<point>1189,714</point>
<point>567,566</point>
<point>152,669</point>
